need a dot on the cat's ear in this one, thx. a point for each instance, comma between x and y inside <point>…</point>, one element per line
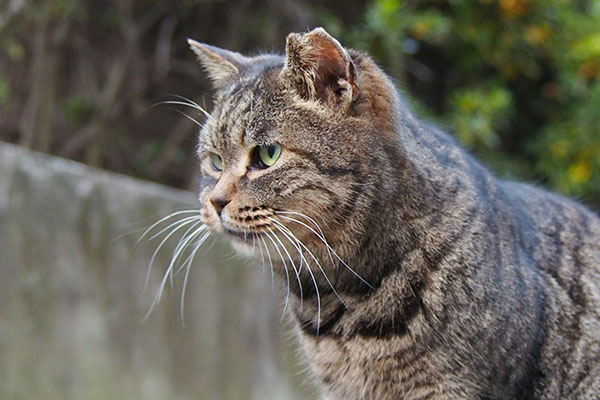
<point>220,64</point>
<point>318,67</point>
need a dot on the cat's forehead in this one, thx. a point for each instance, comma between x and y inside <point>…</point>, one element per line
<point>246,111</point>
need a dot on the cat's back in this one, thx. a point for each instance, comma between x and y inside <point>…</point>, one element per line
<point>556,231</point>
<point>562,239</point>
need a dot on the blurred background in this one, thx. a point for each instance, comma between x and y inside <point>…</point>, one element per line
<point>516,81</point>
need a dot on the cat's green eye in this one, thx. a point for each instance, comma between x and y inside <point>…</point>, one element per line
<point>216,162</point>
<point>268,154</point>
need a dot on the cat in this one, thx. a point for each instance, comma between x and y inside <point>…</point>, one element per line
<point>409,270</point>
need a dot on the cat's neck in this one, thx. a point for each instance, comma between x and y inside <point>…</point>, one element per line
<point>418,208</point>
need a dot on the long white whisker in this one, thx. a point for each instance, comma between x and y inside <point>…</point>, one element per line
<point>182,103</point>
<point>293,266</point>
<point>185,236</point>
<point>175,102</point>
<point>321,235</point>
<point>332,250</point>
<point>262,254</point>
<point>291,238</point>
<point>160,245</point>
<point>193,104</point>
<point>311,220</point>
<point>188,117</point>
<point>312,256</point>
<point>192,237</point>
<point>182,243</point>
<point>192,218</point>
<point>164,219</point>
<point>187,273</point>
<point>287,275</point>
<point>168,272</point>
<point>270,261</point>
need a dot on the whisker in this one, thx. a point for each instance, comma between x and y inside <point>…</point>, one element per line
<point>293,266</point>
<point>312,256</point>
<point>183,239</point>
<point>179,111</point>
<point>317,262</point>
<point>262,254</point>
<point>169,270</point>
<point>270,261</point>
<point>289,237</point>
<point>287,275</point>
<point>193,104</point>
<point>160,245</point>
<point>183,243</point>
<point>164,219</point>
<point>187,273</point>
<point>332,250</point>
<point>304,216</point>
<point>188,117</point>
<point>321,235</point>
<point>193,236</point>
<point>192,218</point>
<point>138,230</point>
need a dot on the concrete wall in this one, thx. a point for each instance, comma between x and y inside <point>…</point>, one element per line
<point>72,297</point>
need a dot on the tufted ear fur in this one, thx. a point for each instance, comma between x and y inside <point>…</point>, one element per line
<point>221,65</point>
<point>319,68</point>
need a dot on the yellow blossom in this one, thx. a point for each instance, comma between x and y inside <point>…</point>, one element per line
<point>514,8</point>
<point>537,34</point>
<point>580,172</point>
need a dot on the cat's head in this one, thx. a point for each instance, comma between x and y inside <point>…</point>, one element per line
<point>293,155</point>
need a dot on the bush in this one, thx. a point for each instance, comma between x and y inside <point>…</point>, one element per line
<point>515,80</point>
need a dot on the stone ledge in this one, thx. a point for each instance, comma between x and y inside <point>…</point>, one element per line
<point>72,296</point>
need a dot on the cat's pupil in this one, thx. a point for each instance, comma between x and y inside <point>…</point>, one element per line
<point>271,151</point>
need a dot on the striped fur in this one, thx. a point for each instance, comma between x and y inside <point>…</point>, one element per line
<point>441,281</point>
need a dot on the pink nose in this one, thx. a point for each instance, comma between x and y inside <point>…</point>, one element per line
<point>219,203</point>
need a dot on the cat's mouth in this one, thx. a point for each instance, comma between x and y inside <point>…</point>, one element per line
<point>247,223</point>
<point>242,234</point>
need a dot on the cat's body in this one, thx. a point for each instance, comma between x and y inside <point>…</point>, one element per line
<point>439,281</point>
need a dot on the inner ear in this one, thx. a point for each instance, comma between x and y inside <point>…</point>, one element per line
<point>318,67</point>
<point>332,69</point>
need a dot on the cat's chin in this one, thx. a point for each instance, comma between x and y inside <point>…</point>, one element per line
<point>243,244</point>
<point>242,247</point>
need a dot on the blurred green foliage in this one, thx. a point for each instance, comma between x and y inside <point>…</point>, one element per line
<point>78,109</point>
<point>4,89</point>
<point>517,81</point>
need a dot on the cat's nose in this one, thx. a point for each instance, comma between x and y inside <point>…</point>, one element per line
<point>219,203</point>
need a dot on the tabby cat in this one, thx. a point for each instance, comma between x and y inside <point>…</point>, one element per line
<point>410,271</point>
